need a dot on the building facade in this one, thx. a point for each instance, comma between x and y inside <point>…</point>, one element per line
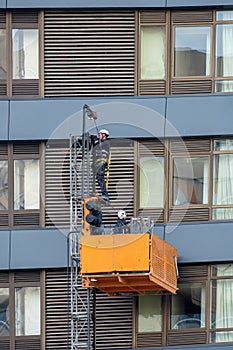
<point>159,74</point>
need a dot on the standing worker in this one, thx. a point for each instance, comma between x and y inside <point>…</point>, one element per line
<point>101,157</point>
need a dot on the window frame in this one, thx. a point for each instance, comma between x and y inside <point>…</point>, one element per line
<point>26,217</point>
<point>17,279</point>
<point>21,88</point>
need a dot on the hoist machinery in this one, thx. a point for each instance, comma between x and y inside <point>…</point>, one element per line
<point>116,263</point>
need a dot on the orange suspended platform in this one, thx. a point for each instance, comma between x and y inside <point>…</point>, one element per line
<point>128,263</point>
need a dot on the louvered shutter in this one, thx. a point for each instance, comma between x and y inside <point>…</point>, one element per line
<point>89,53</point>
<point>200,85</point>
<point>152,86</point>
<point>121,181</point>
<point>25,87</point>
<point>153,148</point>
<point>114,322</point>
<point>189,148</point>
<point>56,308</point>
<point>57,184</point>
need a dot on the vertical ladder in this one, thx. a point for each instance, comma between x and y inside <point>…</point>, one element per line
<point>82,301</point>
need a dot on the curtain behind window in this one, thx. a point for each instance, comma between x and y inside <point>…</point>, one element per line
<point>153,52</point>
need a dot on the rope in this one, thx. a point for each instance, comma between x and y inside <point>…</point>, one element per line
<point>108,170</point>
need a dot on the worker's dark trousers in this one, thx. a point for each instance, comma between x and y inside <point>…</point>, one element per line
<point>100,177</point>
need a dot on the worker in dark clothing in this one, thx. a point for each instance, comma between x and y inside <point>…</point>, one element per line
<point>101,154</point>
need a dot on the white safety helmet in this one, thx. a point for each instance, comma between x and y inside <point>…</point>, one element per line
<point>121,214</point>
<point>104,131</point>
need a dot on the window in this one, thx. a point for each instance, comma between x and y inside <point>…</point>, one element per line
<point>190,181</point>
<point>26,184</point>
<point>3,185</point>
<point>192,51</point>
<point>4,312</point>
<point>188,306</point>
<point>25,54</point>
<point>200,313</point>
<point>27,311</point>
<point>223,179</point>
<point>3,67</point>
<point>20,309</point>
<point>151,182</point>
<point>153,59</point>
<point>20,185</point>
<point>199,54</point>
<point>20,54</point>
<point>224,52</point>
<point>221,310</point>
<point>150,314</point>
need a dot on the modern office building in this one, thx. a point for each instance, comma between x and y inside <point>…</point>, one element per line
<point>159,74</point>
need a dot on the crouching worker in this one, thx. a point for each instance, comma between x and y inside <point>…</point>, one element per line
<point>121,224</point>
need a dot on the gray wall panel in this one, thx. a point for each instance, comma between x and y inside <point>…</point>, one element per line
<point>5,249</point>
<point>55,119</point>
<point>38,249</point>
<point>199,115</point>
<point>191,3</point>
<point>2,4</point>
<point>85,3</point>
<point>4,108</point>
<point>202,242</point>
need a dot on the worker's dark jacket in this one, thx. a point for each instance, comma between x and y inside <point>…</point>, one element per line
<point>101,151</point>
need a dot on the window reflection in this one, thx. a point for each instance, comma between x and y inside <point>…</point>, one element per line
<point>26,184</point>
<point>3,54</point>
<point>153,58</point>
<point>188,306</point>
<point>222,302</point>
<point>192,51</point>
<point>4,312</point>
<point>190,181</point>
<point>151,182</point>
<point>27,311</point>
<point>25,54</point>
<point>3,185</point>
<point>150,313</point>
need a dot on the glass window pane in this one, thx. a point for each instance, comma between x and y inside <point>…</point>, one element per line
<point>222,214</point>
<point>224,15</point>
<point>221,337</point>
<point>27,311</point>
<point>224,86</point>
<point>153,44</point>
<point>192,51</point>
<point>223,145</point>
<point>222,270</point>
<point>4,312</point>
<point>188,306</point>
<point>150,313</point>
<point>223,179</point>
<point>2,54</point>
<point>3,185</point>
<point>190,181</point>
<point>151,182</point>
<point>26,184</point>
<point>221,313</point>
<point>25,53</point>
<point>224,50</point>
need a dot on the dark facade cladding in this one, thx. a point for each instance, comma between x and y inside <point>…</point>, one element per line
<point>89,53</point>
